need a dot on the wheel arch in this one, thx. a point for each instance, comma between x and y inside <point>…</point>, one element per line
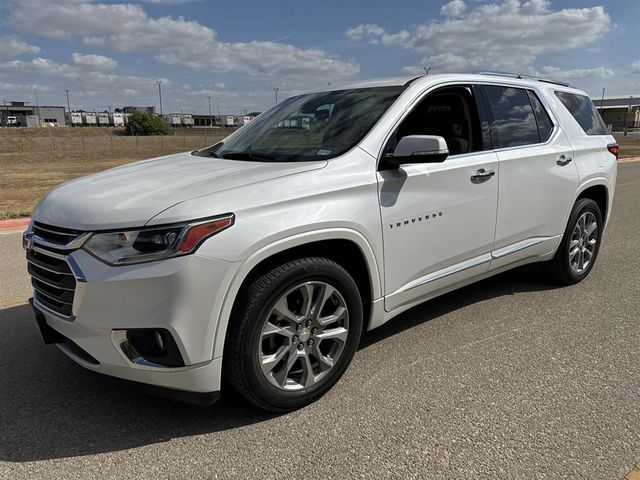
<point>346,247</point>
<point>599,193</point>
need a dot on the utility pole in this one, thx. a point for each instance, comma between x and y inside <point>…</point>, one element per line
<point>602,104</point>
<point>218,101</point>
<point>160,94</point>
<point>210,120</point>
<point>275,89</point>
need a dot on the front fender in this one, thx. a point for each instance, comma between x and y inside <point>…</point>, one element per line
<point>222,316</point>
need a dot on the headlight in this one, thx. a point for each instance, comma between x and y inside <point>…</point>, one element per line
<point>155,243</point>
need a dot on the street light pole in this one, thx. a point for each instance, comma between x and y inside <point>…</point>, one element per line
<point>218,102</point>
<point>35,91</point>
<point>275,89</point>
<point>210,122</point>
<point>628,109</point>
<point>160,94</point>
<point>426,70</point>
<point>68,105</point>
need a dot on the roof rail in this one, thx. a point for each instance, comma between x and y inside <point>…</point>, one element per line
<point>524,76</point>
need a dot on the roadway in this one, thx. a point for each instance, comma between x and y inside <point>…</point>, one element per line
<point>508,378</point>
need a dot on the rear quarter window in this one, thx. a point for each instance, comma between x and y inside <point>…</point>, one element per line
<point>545,125</point>
<point>584,111</point>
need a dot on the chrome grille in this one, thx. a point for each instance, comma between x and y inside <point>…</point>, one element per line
<point>53,280</point>
<point>61,236</point>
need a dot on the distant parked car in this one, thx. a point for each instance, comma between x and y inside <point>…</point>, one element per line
<point>263,258</point>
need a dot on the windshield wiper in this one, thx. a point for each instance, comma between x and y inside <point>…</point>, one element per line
<point>249,155</point>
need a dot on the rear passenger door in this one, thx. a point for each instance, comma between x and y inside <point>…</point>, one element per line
<point>538,178</point>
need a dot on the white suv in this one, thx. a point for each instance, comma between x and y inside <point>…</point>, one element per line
<point>261,259</point>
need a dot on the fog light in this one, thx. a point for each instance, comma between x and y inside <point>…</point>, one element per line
<point>148,347</point>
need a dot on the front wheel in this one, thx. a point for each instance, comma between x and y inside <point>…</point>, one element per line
<point>293,333</point>
<point>580,244</point>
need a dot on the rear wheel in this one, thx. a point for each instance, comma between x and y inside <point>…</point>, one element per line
<point>293,333</point>
<point>580,244</point>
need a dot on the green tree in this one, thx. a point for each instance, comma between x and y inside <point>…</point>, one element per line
<point>146,123</point>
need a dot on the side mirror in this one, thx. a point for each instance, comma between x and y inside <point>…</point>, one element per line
<point>418,149</point>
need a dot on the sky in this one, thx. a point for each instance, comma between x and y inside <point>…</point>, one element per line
<point>110,53</point>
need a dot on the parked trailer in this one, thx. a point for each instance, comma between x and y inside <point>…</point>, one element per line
<point>231,121</point>
<point>173,119</point>
<point>31,121</point>
<point>187,120</point>
<point>117,120</point>
<point>90,119</point>
<point>76,119</point>
<point>103,119</point>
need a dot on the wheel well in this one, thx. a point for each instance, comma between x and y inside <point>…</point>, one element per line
<point>597,193</point>
<point>344,252</point>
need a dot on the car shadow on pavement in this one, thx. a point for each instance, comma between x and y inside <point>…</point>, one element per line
<point>528,278</point>
<point>52,408</point>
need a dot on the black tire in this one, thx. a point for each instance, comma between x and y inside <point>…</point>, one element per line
<point>559,268</point>
<point>244,334</point>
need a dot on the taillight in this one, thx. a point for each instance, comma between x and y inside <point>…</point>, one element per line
<point>614,149</point>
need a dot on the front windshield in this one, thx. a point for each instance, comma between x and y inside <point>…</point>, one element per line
<point>315,126</point>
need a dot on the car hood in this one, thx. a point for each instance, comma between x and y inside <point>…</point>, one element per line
<point>129,196</point>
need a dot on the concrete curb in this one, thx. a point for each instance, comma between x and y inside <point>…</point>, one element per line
<point>14,225</point>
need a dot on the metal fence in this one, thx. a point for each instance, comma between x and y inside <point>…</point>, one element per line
<point>108,144</point>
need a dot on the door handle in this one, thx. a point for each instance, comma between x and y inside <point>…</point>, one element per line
<point>563,160</point>
<point>482,175</point>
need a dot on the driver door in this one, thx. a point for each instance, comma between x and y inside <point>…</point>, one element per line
<point>439,219</point>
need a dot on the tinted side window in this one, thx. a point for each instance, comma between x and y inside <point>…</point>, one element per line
<point>584,112</point>
<point>512,122</point>
<point>545,126</point>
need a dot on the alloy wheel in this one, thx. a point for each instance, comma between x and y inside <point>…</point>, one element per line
<point>582,245</point>
<point>303,335</point>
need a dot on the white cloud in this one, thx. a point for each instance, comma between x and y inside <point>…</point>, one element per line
<point>511,35</point>
<point>453,8</point>
<point>375,34</point>
<point>167,2</point>
<point>22,89</point>
<point>13,47</point>
<point>91,89</point>
<point>260,58</point>
<point>635,66</point>
<point>176,41</point>
<point>93,61</point>
<point>85,79</point>
<point>560,74</point>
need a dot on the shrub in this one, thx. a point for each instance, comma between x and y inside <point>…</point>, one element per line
<point>146,123</point>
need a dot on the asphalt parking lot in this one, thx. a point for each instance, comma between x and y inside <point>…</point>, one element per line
<point>508,378</point>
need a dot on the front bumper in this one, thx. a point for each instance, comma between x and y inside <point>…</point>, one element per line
<point>182,296</point>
